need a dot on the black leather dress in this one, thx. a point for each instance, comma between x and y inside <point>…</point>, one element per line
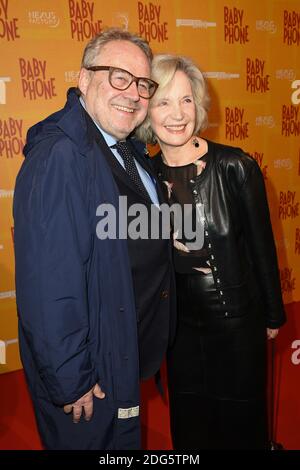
<point>217,365</point>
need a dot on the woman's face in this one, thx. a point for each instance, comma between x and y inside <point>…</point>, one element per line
<point>173,113</point>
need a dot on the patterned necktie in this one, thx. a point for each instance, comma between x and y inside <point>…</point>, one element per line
<point>130,166</point>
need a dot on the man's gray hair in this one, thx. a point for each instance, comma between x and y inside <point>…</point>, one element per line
<point>95,45</point>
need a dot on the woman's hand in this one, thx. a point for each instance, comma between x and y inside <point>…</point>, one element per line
<point>272,333</point>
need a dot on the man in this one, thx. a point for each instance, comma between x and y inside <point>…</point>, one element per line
<point>94,312</point>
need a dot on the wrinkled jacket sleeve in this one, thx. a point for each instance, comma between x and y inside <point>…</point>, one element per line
<point>52,248</point>
<point>260,240</point>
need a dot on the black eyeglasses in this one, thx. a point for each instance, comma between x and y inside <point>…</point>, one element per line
<point>121,79</point>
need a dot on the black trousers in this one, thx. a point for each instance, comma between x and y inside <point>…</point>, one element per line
<point>216,372</point>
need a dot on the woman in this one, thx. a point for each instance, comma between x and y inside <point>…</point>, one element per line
<point>229,298</point>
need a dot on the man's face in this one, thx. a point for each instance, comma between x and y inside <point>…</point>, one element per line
<point>117,112</point>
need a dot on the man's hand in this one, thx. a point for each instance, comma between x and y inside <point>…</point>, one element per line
<point>272,333</point>
<point>85,402</point>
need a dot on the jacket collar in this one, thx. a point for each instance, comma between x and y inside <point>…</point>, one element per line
<point>80,128</point>
<point>73,122</point>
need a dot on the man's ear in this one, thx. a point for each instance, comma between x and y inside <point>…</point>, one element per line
<point>84,80</point>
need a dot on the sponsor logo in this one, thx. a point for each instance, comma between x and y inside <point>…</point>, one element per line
<point>71,76</point>
<point>3,81</point>
<point>287,280</point>
<point>235,125</point>
<point>234,28</point>
<point>290,124</point>
<point>192,23</point>
<point>83,23</point>
<point>213,125</point>
<point>152,27</point>
<point>11,294</point>
<point>288,205</point>
<point>5,193</point>
<point>123,20</point>
<point>267,121</point>
<point>291,28</point>
<point>8,26</point>
<point>45,18</point>
<point>34,80</point>
<point>11,141</point>
<point>221,75</point>
<point>3,348</point>
<point>266,25</point>
<point>256,79</point>
<point>297,241</point>
<point>285,74</point>
<point>283,163</point>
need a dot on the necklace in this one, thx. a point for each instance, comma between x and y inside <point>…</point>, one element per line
<point>195,142</point>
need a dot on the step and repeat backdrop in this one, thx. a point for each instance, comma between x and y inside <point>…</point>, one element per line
<point>250,53</point>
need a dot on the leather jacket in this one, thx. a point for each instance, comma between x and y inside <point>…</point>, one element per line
<point>238,233</point>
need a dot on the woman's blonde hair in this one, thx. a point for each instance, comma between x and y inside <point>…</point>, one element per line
<point>164,67</point>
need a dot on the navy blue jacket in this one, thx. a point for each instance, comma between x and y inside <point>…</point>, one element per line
<point>75,300</point>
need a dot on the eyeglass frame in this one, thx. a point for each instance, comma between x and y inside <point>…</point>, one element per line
<point>96,68</point>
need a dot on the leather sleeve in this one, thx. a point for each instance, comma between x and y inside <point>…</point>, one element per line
<point>259,236</point>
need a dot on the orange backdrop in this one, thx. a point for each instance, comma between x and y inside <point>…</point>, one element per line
<point>249,52</point>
